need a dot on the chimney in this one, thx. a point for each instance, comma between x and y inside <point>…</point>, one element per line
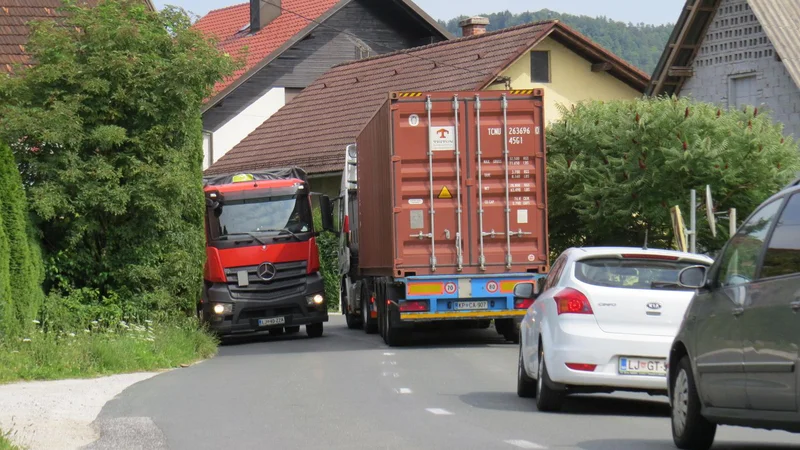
<point>473,26</point>
<point>262,12</point>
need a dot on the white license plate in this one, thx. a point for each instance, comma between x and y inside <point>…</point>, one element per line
<point>271,321</point>
<point>642,366</point>
<point>472,305</point>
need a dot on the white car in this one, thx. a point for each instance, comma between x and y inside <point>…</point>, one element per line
<point>604,321</point>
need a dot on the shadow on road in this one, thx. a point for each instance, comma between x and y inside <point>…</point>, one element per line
<point>637,444</point>
<point>578,405</point>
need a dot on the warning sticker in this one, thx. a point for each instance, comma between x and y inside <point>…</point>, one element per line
<point>522,216</point>
<point>443,138</point>
<point>445,193</point>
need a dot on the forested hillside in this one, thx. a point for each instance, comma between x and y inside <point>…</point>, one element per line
<point>639,44</point>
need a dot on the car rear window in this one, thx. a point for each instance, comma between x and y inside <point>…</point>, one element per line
<point>631,273</point>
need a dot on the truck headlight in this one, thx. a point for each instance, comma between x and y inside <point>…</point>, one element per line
<point>222,308</point>
<point>315,299</point>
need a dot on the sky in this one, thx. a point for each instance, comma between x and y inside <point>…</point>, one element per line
<point>636,11</point>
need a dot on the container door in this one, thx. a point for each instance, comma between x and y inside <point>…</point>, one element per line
<point>507,181</point>
<point>430,177</point>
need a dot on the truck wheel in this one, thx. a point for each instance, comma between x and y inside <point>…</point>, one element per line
<point>276,332</point>
<point>292,330</point>
<point>370,324</point>
<point>353,320</point>
<point>511,331</point>
<point>484,324</point>
<point>314,330</point>
<point>393,337</point>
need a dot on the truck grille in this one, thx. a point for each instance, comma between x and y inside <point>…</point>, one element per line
<point>290,279</point>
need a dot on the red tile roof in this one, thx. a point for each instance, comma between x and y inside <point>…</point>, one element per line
<point>229,26</point>
<point>14,31</point>
<point>313,130</point>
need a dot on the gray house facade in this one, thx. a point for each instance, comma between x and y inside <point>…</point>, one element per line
<point>736,53</point>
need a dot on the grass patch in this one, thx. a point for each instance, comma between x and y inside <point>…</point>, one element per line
<point>5,443</point>
<point>104,350</point>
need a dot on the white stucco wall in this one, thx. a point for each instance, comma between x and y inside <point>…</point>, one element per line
<point>235,130</point>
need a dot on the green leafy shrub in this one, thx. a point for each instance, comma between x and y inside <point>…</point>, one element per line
<point>328,244</point>
<point>616,168</point>
<point>107,130</point>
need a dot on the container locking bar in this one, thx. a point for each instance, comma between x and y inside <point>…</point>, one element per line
<point>504,104</point>
<point>459,252</point>
<point>432,235</point>
<point>482,258</point>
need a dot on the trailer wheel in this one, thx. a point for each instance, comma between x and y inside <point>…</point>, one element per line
<point>394,337</point>
<point>314,330</point>
<point>484,324</point>
<point>276,332</point>
<point>353,320</point>
<point>291,330</point>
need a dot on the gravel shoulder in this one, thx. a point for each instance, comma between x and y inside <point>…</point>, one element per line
<point>59,414</point>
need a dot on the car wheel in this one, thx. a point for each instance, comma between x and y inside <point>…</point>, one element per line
<point>547,398</point>
<point>690,430</point>
<point>314,330</point>
<point>526,386</point>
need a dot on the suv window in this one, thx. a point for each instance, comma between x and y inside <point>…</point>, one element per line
<point>783,253</point>
<point>738,264</point>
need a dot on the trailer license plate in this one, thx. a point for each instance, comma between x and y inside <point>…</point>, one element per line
<point>271,321</point>
<point>472,305</point>
<point>642,366</point>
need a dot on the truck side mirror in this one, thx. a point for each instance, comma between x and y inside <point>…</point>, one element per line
<point>326,209</point>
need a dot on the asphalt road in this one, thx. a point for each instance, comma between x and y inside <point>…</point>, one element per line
<point>349,391</point>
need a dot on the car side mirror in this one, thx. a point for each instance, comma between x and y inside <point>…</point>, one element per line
<point>326,209</point>
<point>525,291</point>
<point>693,277</point>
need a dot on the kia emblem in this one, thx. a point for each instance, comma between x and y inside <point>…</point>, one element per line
<point>654,305</point>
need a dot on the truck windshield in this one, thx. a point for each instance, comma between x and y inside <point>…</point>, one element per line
<point>285,214</point>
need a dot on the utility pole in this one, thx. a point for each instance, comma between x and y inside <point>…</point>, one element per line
<point>693,222</point>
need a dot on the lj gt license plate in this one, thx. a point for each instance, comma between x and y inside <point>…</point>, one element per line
<point>642,366</point>
<point>271,321</point>
<point>471,305</point>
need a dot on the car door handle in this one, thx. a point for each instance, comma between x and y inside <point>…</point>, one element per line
<point>738,312</point>
<point>795,306</point>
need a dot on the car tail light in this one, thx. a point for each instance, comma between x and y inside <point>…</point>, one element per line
<point>582,367</point>
<point>650,256</point>
<point>571,301</point>
<point>523,303</point>
<point>414,306</point>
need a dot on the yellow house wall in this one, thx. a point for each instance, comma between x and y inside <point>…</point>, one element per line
<point>571,80</point>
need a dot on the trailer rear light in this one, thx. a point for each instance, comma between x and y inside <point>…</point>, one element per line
<point>582,367</point>
<point>523,303</point>
<point>571,301</point>
<point>414,306</point>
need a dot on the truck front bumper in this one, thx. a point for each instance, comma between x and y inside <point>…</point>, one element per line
<point>248,315</point>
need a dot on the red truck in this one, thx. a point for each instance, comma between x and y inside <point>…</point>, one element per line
<point>443,209</point>
<point>262,262</point>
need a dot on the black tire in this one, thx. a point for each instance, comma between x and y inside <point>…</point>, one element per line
<point>484,324</point>
<point>353,320</point>
<point>526,386</point>
<point>696,432</point>
<point>314,330</point>
<point>547,398</point>
<point>276,332</point>
<point>292,330</point>
<point>370,324</point>
<point>393,337</point>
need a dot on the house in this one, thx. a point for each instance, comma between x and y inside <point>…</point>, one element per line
<point>14,31</point>
<point>287,44</point>
<point>313,130</point>
<point>736,53</point>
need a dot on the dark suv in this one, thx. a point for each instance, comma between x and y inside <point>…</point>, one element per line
<point>736,358</point>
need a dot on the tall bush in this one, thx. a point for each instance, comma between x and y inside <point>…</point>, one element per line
<point>616,168</point>
<point>328,245</point>
<point>20,259</point>
<point>107,129</point>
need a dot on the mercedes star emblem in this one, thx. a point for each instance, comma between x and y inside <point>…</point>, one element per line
<point>266,271</point>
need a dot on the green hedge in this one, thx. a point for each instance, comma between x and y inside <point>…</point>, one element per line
<point>328,244</point>
<point>21,268</point>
